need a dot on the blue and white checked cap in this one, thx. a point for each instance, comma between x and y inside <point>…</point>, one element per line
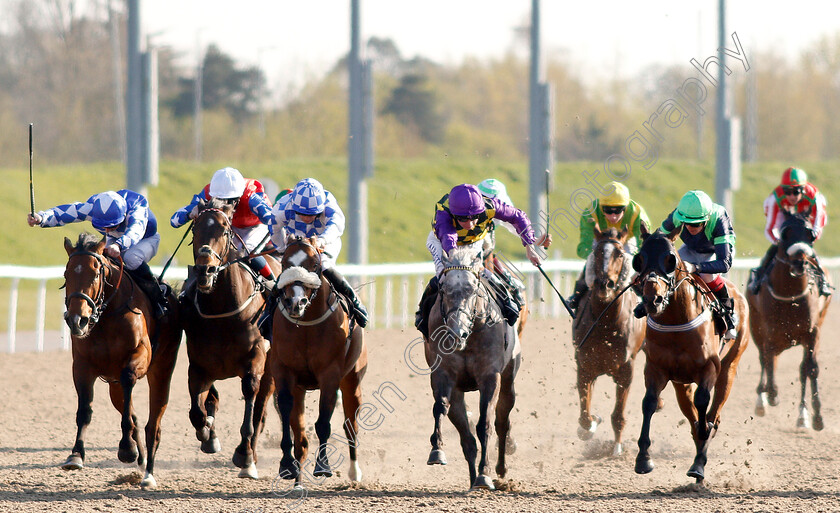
<point>308,197</point>
<point>108,210</point>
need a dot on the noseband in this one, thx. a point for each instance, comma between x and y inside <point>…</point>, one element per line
<point>99,303</point>
<point>213,270</point>
<point>285,304</point>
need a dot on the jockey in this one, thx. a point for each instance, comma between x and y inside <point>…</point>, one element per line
<point>708,247</point>
<point>250,219</point>
<point>492,188</point>
<point>463,217</point>
<point>614,209</point>
<point>792,196</point>
<point>130,231</point>
<point>311,211</point>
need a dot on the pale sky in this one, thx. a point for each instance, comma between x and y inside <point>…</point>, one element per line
<point>293,40</point>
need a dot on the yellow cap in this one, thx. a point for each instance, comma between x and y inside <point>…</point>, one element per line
<point>618,196</point>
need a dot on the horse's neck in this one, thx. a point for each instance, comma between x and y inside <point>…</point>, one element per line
<point>686,303</point>
<point>234,285</point>
<point>321,303</point>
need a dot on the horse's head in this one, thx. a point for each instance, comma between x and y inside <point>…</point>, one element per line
<point>85,281</point>
<point>459,291</point>
<point>212,241</point>
<point>608,268</point>
<point>796,238</point>
<point>301,277</point>
<point>657,262</point>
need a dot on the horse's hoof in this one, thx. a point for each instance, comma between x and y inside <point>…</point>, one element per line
<point>587,433</point>
<point>773,400</point>
<point>288,471</point>
<point>322,469</point>
<point>482,482</point>
<point>696,471</point>
<point>644,465</point>
<point>242,460</point>
<point>355,472</point>
<point>149,482</point>
<point>761,404</point>
<point>249,472</point>
<point>127,452</point>
<point>618,450</point>
<point>818,423</point>
<point>501,470</point>
<point>211,446</point>
<point>436,457</point>
<point>74,462</point>
<point>804,420</point>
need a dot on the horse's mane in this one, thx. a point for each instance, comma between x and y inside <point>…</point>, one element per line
<point>87,241</point>
<point>217,203</point>
<point>463,255</point>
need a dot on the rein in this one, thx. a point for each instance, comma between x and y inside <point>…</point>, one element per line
<point>810,267</point>
<point>703,317</point>
<point>300,241</point>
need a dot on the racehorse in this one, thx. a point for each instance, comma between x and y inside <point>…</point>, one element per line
<point>789,311</point>
<point>113,330</point>
<point>470,348</point>
<point>683,347</point>
<point>612,344</point>
<point>314,347</point>
<point>223,340</point>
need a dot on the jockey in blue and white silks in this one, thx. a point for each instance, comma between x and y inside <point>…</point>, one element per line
<point>310,211</point>
<point>130,231</point>
<point>251,215</point>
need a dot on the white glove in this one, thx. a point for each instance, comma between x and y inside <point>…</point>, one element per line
<point>112,250</point>
<point>533,256</point>
<point>689,267</point>
<point>33,219</point>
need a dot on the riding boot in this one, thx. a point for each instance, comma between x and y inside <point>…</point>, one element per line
<point>427,300</point>
<point>580,289</point>
<point>188,288</point>
<point>514,286</point>
<point>727,311</point>
<point>343,287</point>
<point>266,320</point>
<point>757,274</point>
<point>261,267</point>
<point>510,310</point>
<point>155,291</point>
<point>825,288</point>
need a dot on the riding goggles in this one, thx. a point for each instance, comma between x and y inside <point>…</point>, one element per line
<point>471,217</point>
<point>793,190</point>
<point>611,211</point>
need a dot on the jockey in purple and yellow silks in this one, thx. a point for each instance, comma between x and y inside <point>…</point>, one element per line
<point>463,217</point>
<point>130,231</point>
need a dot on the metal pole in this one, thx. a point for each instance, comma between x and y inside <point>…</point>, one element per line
<point>536,166</point>
<point>199,79</point>
<point>723,192</point>
<point>134,101</point>
<point>356,188</point>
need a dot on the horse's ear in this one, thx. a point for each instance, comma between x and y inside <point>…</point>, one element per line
<point>100,246</point>
<point>639,262</point>
<point>623,234</point>
<point>669,263</point>
<point>643,229</point>
<point>68,246</point>
<point>202,203</point>
<point>673,234</point>
<point>596,230</point>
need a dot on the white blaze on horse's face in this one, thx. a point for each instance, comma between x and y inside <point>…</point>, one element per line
<point>298,258</point>
<point>78,269</point>
<point>299,301</point>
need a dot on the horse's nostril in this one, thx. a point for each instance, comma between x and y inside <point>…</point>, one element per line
<point>657,300</point>
<point>610,284</point>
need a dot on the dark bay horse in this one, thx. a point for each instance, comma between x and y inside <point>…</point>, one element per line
<point>614,341</point>
<point>112,325</point>
<point>682,346</point>
<point>471,347</point>
<point>314,347</point>
<point>223,340</point>
<point>789,311</point>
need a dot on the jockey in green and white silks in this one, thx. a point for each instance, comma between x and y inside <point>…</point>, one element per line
<point>613,209</point>
<point>129,227</point>
<point>311,211</point>
<point>708,247</point>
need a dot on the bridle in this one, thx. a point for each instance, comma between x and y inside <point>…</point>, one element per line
<point>212,271</point>
<point>98,304</point>
<point>625,269</point>
<point>285,303</point>
<point>444,314</point>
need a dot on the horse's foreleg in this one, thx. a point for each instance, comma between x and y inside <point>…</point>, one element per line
<point>488,396</point>
<point>623,377</point>
<point>761,401</point>
<point>130,447</point>
<point>289,467</point>
<point>298,431</point>
<point>810,370</point>
<point>243,457</point>
<point>458,416</point>
<point>83,381</point>
<point>441,390</point>
<point>351,398</point>
<point>702,432</point>
<point>587,423</point>
<point>160,379</point>
<point>199,385</point>
<point>649,404</point>
<point>771,388</point>
<point>261,409</point>
<point>326,406</point>
<point>507,398</point>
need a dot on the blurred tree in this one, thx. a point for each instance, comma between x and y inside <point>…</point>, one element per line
<point>414,103</point>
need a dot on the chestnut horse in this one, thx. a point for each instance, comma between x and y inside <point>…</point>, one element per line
<point>682,346</point>
<point>223,340</point>
<point>613,343</point>
<point>113,329</point>
<point>471,347</point>
<point>789,311</point>
<point>314,347</point>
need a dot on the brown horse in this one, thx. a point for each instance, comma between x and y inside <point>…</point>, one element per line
<point>682,346</point>
<point>471,347</point>
<point>314,347</point>
<point>223,340</point>
<point>789,311</point>
<point>113,329</point>
<point>613,343</point>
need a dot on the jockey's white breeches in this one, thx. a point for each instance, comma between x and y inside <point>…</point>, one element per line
<point>435,248</point>
<point>141,252</point>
